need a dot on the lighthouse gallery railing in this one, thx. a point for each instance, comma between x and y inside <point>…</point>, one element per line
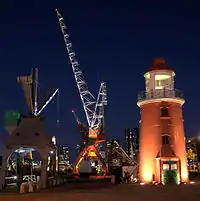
<point>160,93</point>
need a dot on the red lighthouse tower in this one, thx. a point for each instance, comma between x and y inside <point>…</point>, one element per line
<point>162,141</point>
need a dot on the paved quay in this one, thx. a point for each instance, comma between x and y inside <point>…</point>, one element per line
<point>99,192</point>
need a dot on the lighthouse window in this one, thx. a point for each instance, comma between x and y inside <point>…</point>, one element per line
<point>164,112</point>
<point>158,83</point>
<point>165,139</point>
<point>162,81</point>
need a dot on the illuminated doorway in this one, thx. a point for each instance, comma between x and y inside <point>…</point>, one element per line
<point>170,172</point>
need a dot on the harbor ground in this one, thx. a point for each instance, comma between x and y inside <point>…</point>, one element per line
<point>99,192</point>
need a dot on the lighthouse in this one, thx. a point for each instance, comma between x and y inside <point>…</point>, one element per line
<point>162,141</point>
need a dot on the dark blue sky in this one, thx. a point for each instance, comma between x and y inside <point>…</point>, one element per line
<point>114,41</point>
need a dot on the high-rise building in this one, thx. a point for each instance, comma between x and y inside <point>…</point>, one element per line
<point>192,155</point>
<point>64,152</point>
<point>132,142</point>
<point>162,142</point>
<point>79,148</point>
<point>114,159</point>
<point>64,158</point>
<point>110,145</point>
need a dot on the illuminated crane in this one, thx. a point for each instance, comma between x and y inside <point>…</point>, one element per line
<point>94,109</point>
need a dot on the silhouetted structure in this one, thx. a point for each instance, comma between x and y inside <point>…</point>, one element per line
<point>132,141</point>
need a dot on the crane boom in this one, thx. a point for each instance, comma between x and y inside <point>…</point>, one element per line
<point>98,115</point>
<point>88,100</point>
<point>50,98</point>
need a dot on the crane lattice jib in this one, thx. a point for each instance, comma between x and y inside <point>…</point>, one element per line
<point>87,98</point>
<point>98,115</point>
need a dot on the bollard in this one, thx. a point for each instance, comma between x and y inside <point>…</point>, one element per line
<point>113,179</point>
<point>22,188</point>
<point>54,182</point>
<point>30,187</point>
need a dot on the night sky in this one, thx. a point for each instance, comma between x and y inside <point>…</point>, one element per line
<point>114,42</point>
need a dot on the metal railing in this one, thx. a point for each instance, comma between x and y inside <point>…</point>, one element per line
<point>160,93</point>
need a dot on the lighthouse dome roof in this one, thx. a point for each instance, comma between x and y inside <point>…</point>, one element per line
<point>159,64</point>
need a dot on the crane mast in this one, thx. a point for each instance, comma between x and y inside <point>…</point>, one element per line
<point>88,100</point>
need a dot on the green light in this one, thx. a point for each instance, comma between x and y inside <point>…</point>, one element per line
<point>16,115</point>
<point>7,115</point>
<point>13,115</point>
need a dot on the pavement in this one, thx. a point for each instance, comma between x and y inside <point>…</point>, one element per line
<point>109,192</point>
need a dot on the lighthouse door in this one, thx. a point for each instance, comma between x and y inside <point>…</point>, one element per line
<point>170,172</point>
